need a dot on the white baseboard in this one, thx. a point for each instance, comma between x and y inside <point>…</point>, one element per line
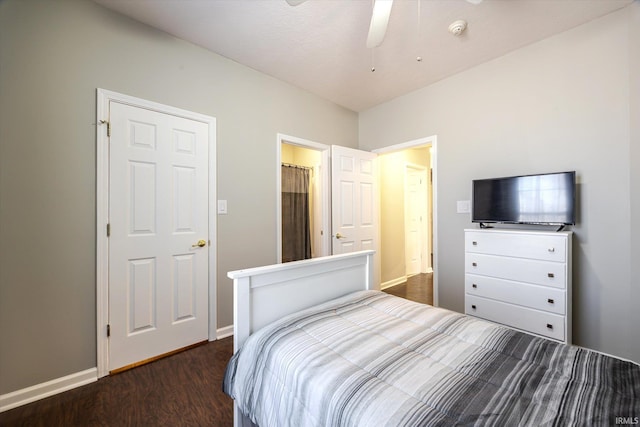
<point>225,332</point>
<point>49,388</point>
<point>393,282</point>
<point>40,391</point>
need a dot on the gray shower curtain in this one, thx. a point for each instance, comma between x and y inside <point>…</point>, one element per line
<point>296,234</point>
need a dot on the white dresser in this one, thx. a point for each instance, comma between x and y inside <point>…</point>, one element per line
<point>521,279</point>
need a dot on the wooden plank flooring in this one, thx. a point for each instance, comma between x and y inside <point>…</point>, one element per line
<point>181,390</point>
<point>184,389</point>
<point>417,288</point>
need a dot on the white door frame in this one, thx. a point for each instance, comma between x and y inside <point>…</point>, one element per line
<point>433,141</point>
<point>325,151</point>
<point>104,97</point>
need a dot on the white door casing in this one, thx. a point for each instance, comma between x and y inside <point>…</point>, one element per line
<point>353,200</point>
<point>156,186</point>
<point>433,142</point>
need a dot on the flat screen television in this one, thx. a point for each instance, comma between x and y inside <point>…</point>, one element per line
<point>545,199</point>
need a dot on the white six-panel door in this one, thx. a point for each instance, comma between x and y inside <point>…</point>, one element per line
<point>353,200</point>
<point>415,221</point>
<point>158,248</point>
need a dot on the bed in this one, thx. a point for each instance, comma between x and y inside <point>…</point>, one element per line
<point>315,345</point>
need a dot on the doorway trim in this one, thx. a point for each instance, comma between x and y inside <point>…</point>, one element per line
<point>103,98</point>
<point>325,152</point>
<point>433,141</point>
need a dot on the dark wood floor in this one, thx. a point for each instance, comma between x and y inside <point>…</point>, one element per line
<point>417,288</point>
<point>181,390</point>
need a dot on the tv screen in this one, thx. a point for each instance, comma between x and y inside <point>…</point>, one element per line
<point>528,199</point>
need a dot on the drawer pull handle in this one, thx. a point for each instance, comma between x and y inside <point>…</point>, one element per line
<point>550,301</point>
<point>473,306</point>
<point>474,243</point>
<point>551,275</point>
<point>552,249</point>
<point>474,286</point>
<point>474,264</point>
<point>549,326</point>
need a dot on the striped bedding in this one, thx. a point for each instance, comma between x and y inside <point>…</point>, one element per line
<point>372,359</point>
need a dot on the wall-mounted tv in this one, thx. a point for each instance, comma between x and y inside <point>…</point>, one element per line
<point>545,199</point>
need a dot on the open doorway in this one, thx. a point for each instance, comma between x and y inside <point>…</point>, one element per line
<point>302,158</point>
<point>406,222</point>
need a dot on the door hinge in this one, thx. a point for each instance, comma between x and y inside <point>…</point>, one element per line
<point>108,331</point>
<point>106,122</point>
<point>108,229</point>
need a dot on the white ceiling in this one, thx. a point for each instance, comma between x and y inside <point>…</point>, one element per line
<point>320,45</point>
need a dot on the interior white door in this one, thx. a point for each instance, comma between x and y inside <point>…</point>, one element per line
<point>353,200</point>
<point>158,252</point>
<point>415,238</point>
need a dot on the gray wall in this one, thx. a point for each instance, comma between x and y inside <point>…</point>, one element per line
<point>53,56</point>
<point>634,158</point>
<point>560,104</point>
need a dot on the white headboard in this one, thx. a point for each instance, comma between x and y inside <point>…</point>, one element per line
<point>264,294</point>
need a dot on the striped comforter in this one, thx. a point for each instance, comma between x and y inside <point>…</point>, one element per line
<point>371,359</point>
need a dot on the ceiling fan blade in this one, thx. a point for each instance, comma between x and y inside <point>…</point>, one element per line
<point>295,2</point>
<point>475,1</point>
<point>379,21</point>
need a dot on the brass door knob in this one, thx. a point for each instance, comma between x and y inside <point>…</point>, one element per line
<point>201,244</point>
<point>339,236</point>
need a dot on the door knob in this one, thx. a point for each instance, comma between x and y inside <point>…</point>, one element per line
<point>201,243</point>
<point>339,236</point>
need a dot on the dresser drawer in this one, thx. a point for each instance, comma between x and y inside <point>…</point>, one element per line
<point>544,273</point>
<point>532,296</point>
<point>546,247</point>
<point>538,322</point>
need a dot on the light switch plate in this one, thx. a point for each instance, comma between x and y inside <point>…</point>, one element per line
<point>464,206</point>
<point>222,207</point>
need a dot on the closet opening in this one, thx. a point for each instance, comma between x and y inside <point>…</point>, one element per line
<point>297,212</point>
<point>302,202</point>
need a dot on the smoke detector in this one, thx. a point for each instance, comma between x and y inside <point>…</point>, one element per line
<point>456,28</point>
